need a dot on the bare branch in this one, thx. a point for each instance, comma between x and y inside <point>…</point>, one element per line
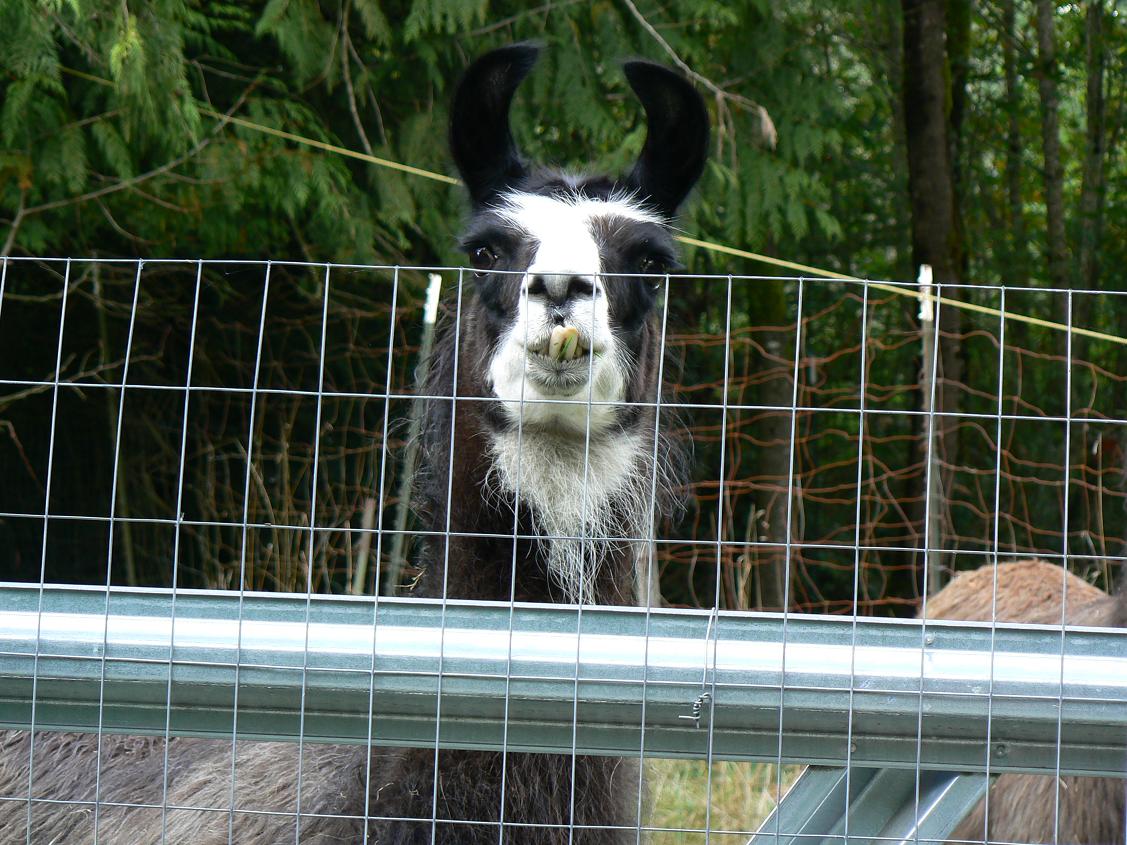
<point>8,426</point>
<point>371,95</point>
<point>345,63</point>
<point>48,383</point>
<point>117,227</point>
<point>769,135</point>
<point>14,228</point>
<point>501,24</point>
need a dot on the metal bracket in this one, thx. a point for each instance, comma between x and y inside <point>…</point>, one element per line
<point>882,807</point>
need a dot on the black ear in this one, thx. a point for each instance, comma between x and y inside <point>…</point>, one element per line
<point>480,139</point>
<point>676,140</point>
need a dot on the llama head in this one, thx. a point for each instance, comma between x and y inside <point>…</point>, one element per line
<point>567,267</point>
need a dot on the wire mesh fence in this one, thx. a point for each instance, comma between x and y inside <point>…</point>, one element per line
<point>249,426</point>
<point>734,395</point>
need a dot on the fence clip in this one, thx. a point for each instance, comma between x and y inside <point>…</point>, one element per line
<point>698,708</point>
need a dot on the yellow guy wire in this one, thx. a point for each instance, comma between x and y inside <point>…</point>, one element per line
<point>685,239</point>
<point>332,148</point>
<point>902,291</point>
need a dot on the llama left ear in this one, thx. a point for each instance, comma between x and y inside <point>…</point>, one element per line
<point>480,139</point>
<point>676,140</point>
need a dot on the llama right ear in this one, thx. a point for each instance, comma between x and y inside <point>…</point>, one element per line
<point>480,139</point>
<point>676,136</point>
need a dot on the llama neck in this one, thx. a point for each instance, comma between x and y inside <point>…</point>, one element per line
<point>570,547</point>
<point>586,497</point>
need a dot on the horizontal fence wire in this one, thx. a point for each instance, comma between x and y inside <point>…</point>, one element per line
<point>175,426</point>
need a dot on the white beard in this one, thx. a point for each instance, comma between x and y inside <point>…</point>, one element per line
<point>549,473</point>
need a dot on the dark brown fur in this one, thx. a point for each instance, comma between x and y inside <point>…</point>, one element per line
<point>1024,808</point>
<point>199,796</point>
<point>544,794</point>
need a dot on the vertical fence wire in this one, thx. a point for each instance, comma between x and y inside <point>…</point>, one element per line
<point>1067,457</point>
<point>512,590</point>
<point>928,561</point>
<point>43,558</point>
<point>392,319</point>
<point>243,546</point>
<point>311,555</point>
<point>109,551</point>
<point>585,583</point>
<point>994,561</point>
<point>649,591</point>
<point>857,559</point>
<point>446,549</point>
<point>709,650</point>
<point>179,516</point>
<point>788,537</point>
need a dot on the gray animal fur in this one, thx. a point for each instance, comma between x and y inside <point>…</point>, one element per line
<point>199,787</point>
<point>1032,808</point>
<point>266,795</point>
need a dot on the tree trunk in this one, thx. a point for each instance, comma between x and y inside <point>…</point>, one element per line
<point>893,66</point>
<point>1019,263</point>
<point>930,175</point>
<point>1050,142</point>
<point>1092,187</point>
<point>1091,205</point>
<point>935,233</point>
<point>958,61</point>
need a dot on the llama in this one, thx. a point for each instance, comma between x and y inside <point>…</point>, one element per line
<point>563,344</point>
<point>540,480</point>
<point>1023,808</point>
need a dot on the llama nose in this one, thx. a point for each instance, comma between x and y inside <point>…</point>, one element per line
<point>560,289</point>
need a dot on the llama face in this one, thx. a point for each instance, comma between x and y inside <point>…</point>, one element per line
<point>566,266</point>
<point>566,281</point>
<point>566,271</point>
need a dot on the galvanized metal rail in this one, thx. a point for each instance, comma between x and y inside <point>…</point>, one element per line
<point>865,693</point>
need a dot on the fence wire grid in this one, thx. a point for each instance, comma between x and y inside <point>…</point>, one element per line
<point>251,426</point>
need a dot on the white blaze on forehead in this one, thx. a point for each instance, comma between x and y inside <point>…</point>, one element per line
<point>563,228</point>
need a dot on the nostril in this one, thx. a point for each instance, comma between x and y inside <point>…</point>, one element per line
<point>578,287</point>
<point>558,317</point>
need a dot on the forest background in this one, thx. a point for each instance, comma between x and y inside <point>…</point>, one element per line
<point>867,137</point>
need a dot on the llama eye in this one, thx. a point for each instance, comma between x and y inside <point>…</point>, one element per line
<point>482,258</point>
<point>652,264</point>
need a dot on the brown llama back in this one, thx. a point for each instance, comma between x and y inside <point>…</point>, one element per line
<point>1024,808</point>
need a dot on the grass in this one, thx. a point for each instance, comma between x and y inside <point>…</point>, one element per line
<point>739,797</point>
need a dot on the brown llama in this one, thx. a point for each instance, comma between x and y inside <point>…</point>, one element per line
<point>1024,808</point>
